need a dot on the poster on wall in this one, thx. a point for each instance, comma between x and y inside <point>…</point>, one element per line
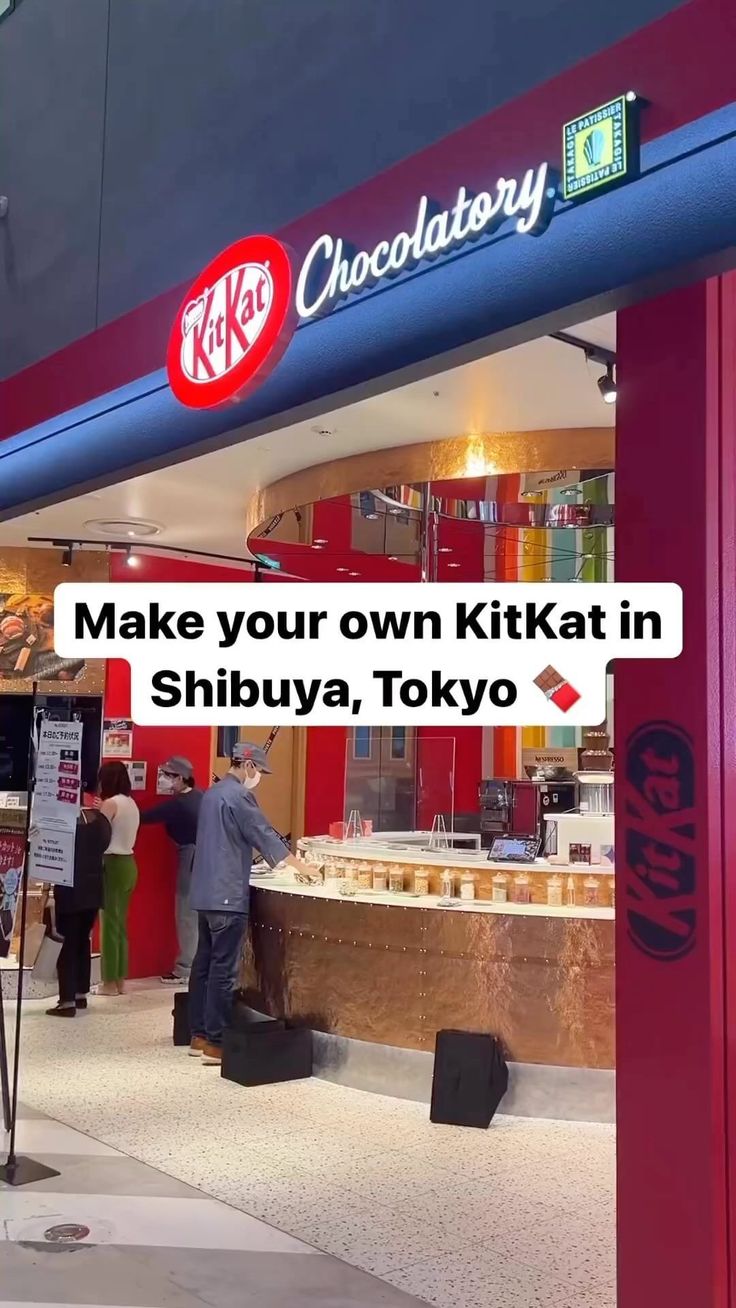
<point>137,771</point>
<point>56,802</point>
<point>28,580</point>
<point>12,843</point>
<point>117,738</point>
<point>27,640</point>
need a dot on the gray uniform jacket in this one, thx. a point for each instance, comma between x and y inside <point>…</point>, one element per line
<point>230,827</point>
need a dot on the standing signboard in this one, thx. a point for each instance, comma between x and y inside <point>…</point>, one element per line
<point>56,802</point>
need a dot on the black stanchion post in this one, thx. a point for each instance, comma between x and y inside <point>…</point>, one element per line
<point>15,1170</point>
<point>4,1079</point>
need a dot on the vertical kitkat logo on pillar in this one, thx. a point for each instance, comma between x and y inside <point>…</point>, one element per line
<point>234,324</point>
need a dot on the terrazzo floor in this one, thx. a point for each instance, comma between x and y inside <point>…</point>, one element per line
<point>521,1215</point>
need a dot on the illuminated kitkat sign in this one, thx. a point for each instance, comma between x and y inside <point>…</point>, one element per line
<point>239,315</point>
<point>234,324</point>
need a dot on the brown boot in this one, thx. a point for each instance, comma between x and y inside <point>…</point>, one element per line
<point>211,1055</point>
<point>197,1047</point>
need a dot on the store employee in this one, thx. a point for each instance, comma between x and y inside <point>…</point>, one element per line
<point>231,826</point>
<point>179,816</point>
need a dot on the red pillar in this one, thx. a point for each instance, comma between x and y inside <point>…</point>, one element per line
<point>676,802</point>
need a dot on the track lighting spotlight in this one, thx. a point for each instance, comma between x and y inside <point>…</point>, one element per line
<point>607,385</point>
<point>66,556</point>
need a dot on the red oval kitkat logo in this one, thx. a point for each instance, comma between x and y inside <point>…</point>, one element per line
<point>234,324</point>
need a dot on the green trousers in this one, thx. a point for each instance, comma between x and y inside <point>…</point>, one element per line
<point>121,875</point>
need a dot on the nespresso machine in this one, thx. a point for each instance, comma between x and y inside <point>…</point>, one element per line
<point>519,808</point>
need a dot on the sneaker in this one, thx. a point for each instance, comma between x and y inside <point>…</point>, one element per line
<point>197,1047</point>
<point>211,1055</point>
<point>171,979</point>
<point>58,1011</point>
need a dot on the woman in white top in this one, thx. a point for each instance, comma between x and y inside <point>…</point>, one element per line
<point>121,873</point>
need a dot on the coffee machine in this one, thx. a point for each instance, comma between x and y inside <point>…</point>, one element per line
<point>519,808</point>
<point>507,808</point>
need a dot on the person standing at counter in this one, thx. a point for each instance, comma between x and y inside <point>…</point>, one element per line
<point>179,816</point>
<point>121,873</point>
<point>76,908</point>
<point>231,825</point>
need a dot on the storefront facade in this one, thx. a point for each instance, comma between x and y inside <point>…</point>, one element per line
<point>660,251</point>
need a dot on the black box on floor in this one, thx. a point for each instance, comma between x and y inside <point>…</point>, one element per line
<point>267,1054</point>
<point>247,1019</point>
<point>180,1014</point>
<point>470,1078</point>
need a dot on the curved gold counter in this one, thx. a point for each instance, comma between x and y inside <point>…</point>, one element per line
<point>393,969</point>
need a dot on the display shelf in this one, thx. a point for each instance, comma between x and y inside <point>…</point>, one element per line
<point>464,860</point>
<point>287,885</point>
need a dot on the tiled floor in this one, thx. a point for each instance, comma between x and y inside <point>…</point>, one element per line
<point>520,1216</point>
<point>152,1241</point>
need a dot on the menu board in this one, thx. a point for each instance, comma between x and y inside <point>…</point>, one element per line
<point>56,802</point>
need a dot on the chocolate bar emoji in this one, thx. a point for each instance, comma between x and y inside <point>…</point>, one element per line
<point>553,686</point>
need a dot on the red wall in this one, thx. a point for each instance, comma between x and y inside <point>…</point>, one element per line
<point>151,924</point>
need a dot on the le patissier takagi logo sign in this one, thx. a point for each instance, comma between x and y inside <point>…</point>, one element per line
<point>240,313</point>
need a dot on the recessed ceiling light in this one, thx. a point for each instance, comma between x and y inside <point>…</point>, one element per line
<point>320,540</point>
<point>341,569</point>
<point>453,565</point>
<point>393,558</point>
<point>445,549</point>
<point>134,528</point>
<point>354,574</point>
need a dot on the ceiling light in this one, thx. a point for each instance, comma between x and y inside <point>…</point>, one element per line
<point>607,386</point>
<point>316,546</point>
<point>320,540</point>
<point>341,569</point>
<point>354,574</point>
<point>453,565</point>
<point>66,557</point>
<point>445,549</point>
<point>393,558</point>
<point>135,528</point>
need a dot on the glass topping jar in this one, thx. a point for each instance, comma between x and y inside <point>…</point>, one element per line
<point>447,884</point>
<point>467,885</point>
<point>396,879</point>
<point>554,892</point>
<point>365,877</point>
<point>591,891</point>
<point>500,888</point>
<point>522,889</point>
<point>380,877</point>
<point>421,881</point>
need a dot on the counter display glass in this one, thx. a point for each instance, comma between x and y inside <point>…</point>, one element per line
<point>397,778</point>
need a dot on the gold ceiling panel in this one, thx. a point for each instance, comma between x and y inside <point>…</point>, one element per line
<point>485,454</point>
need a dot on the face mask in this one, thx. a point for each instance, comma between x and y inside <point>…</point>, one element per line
<point>250,783</point>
